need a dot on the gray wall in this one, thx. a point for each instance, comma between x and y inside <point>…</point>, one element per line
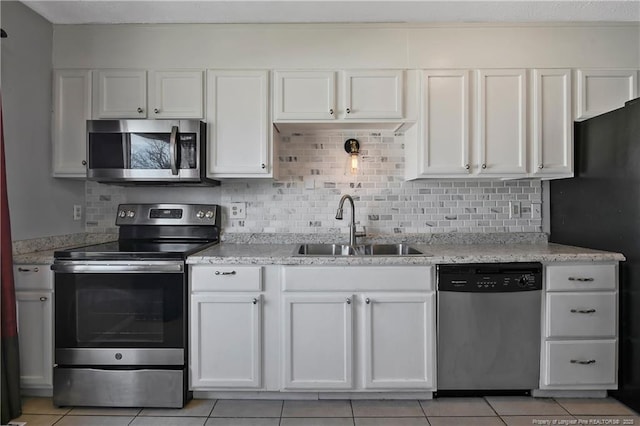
<point>39,204</point>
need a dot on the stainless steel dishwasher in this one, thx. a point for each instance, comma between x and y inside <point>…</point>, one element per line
<point>489,319</point>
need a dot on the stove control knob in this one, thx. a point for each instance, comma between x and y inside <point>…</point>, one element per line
<point>200,214</point>
<point>122,213</point>
<point>209,214</point>
<point>131,213</point>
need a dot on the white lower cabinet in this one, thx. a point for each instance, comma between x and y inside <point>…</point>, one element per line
<point>358,337</point>
<point>579,345</point>
<point>318,341</point>
<point>398,340</point>
<point>34,312</point>
<point>226,327</point>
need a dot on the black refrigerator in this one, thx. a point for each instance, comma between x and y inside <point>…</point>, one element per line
<point>600,208</point>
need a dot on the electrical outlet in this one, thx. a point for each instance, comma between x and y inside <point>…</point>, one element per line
<point>238,211</point>
<point>536,210</point>
<point>514,210</point>
<point>77,212</point>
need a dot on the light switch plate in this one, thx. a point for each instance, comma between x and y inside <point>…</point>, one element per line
<point>514,210</point>
<point>238,210</point>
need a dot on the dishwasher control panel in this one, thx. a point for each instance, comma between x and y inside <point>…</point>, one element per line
<point>490,277</point>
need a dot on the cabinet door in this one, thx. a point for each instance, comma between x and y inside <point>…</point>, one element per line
<point>373,94</point>
<point>120,94</point>
<point>552,139</point>
<point>399,333</point>
<point>317,342</point>
<point>35,336</point>
<point>600,91</point>
<point>502,126</point>
<point>226,341</point>
<point>304,95</point>
<point>238,124</point>
<point>71,110</point>
<point>445,112</point>
<point>176,94</point>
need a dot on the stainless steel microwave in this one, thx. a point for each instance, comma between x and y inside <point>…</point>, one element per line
<point>146,151</point>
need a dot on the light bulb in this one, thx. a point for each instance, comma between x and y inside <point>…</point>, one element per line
<point>354,164</point>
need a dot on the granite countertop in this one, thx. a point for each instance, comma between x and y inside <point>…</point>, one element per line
<point>284,254</point>
<point>280,250</point>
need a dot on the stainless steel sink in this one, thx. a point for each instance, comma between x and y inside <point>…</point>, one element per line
<point>326,250</point>
<point>359,250</point>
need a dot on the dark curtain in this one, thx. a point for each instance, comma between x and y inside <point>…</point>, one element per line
<point>11,407</point>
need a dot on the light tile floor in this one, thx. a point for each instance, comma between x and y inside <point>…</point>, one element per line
<point>488,411</point>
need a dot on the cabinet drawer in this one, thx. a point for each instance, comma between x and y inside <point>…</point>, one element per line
<point>577,364</point>
<point>33,277</point>
<point>581,315</point>
<point>358,278</point>
<point>582,277</point>
<point>226,278</point>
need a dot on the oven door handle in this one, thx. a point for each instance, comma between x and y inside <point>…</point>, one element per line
<point>95,268</point>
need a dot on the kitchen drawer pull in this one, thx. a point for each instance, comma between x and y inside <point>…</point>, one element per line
<point>139,110</point>
<point>225,273</point>
<point>44,299</point>
<point>331,111</point>
<point>254,301</point>
<point>348,110</point>
<point>583,311</point>
<point>27,269</point>
<point>467,166</point>
<point>156,110</point>
<point>367,301</point>
<point>348,301</point>
<point>582,280</point>
<point>588,362</point>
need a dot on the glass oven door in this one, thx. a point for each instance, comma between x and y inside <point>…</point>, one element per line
<point>120,313</point>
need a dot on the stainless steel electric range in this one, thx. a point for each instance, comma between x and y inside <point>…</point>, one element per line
<point>121,309</point>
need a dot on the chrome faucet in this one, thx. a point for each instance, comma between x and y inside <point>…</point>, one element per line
<point>352,226</point>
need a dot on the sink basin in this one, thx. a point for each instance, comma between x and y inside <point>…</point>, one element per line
<point>359,250</point>
<point>326,250</point>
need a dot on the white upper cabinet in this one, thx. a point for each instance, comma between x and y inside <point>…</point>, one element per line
<point>373,94</point>
<point>238,124</point>
<point>120,94</point>
<point>552,125</point>
<point>502,125</point>
<point>71,110</point>
<point>176,94</point>
<point>599,91</point>
<point>362,95</point>
<point>304,95</point>
<point>445,123</point>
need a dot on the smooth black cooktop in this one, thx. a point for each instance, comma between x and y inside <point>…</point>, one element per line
<point>135,249</point>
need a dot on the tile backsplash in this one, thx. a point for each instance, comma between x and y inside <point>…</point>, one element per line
<point>313,176</point>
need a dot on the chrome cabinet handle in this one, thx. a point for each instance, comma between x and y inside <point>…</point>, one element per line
<point>225,273</point>
<point>44,299</point>
<point>27,269</point>
<point>583,311</point>
<point>139,110</point>
<point>587,362</point>
<point>331,111</point>
<point>583,280</point>
<point>264,166</point>
<point>541,166</point>
<point>254,301</point>
<point>348,301</point>
<point>484,166</point>
<point>367,301</point>
<point>467,166</point>
<point>348,110</point>
<point>84,162</point>
<point>156,110</point>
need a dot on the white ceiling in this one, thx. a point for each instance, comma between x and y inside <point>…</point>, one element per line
<point>306,11</point>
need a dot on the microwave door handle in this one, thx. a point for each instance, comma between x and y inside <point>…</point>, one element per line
<point>173,150</point>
